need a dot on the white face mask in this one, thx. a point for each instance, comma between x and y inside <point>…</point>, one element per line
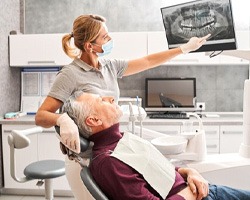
<point>107,48</point>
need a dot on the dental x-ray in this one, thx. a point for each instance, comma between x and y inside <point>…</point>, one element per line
<point>198,18</point>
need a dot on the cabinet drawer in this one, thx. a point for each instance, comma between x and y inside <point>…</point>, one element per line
<point>165,129</point>
<point>213,145</point>
<point>230,138</point>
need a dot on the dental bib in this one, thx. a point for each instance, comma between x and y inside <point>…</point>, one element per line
<point>146,160</point>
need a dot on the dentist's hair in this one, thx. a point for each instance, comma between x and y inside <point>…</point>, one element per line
<point>78,111</point>
<point>86,28</point>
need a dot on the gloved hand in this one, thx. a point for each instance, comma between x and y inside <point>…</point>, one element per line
<point>193,44</point>
<point>69,134</point>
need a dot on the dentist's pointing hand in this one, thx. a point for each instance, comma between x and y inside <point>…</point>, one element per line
<point>69,134</point>
<point>194,43</point>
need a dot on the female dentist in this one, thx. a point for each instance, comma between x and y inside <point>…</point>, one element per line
<point>90,73</point>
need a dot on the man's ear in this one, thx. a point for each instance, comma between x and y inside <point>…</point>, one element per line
<point>93,121</point>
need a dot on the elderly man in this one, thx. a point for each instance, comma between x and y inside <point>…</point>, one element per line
<point>128,167</point>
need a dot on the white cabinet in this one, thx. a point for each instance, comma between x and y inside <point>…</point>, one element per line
<point>212,138</point>
<point>157,42</point>
<point>165,129</point>
<point>43,146</point>
<point>128,45</point>
<point>29,50</point>
<point>230,138</point>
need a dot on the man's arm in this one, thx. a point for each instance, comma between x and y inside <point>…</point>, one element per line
<point>195,181</point>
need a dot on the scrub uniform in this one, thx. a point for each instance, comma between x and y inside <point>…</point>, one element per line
<point>80,76</point>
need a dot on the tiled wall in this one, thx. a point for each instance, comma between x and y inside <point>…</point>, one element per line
<point>220,87</point>
<point>9,77</point>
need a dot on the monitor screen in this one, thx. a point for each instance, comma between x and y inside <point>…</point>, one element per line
<point>170,94</point>
<point>199,18</point>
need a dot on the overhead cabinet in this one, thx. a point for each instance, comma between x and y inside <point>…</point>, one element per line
<point>29,50</point>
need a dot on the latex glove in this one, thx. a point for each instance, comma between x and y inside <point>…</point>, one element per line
<point>193,44</point>
<point>69,134</point>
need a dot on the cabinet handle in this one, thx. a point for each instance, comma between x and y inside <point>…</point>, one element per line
<point>211,132</point>
<point>45,131</point>
<point>212,146</point>
<point>48,131</point>
<point>7,131</point>
<point>42,62</point>
<point>184,60</point>
<point>232,132</point>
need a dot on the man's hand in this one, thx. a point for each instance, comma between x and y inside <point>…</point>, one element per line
<point>69,134</point>
<point>193,44</point>
<point>196,182</point>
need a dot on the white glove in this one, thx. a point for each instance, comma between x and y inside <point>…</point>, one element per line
<point>193,44</point>
<point>69,134</point>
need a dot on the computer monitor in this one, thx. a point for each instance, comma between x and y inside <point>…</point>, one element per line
<point>198,18</point>
<point>170,94</point>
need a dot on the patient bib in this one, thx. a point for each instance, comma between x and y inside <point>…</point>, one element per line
<point>146,160</point>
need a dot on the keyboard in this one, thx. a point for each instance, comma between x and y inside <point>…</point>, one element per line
<point>169,116</point>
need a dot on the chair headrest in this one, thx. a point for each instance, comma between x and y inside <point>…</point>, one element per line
<point>84,143</point>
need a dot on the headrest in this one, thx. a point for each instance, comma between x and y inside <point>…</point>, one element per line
<point>84,143</point>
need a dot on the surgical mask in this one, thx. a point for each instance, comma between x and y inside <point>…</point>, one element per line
<point>107,48</point>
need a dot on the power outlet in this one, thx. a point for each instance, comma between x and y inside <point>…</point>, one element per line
<point>200,106</point>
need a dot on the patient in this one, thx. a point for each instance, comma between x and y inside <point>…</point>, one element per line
<point>128,167</point>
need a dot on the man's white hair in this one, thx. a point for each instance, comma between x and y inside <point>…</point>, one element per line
<point>78,111</point>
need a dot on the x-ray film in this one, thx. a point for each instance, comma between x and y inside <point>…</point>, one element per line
<point>199,18</point>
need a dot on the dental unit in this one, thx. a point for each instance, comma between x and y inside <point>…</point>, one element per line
<point>232,169</point>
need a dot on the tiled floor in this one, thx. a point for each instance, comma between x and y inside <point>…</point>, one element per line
<point>12,197</point>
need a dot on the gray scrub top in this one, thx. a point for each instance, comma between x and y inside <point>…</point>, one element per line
<point>78,75</point>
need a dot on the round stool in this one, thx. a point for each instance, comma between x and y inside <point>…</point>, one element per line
<point>46,170</point>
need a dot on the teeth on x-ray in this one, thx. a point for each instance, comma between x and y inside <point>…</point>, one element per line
<point>197,27</point>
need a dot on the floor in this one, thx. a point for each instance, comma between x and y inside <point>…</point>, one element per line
<point>13,197</point>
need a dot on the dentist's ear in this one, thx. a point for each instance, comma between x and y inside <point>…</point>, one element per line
<point>93,121</point>
<point>88,47</point>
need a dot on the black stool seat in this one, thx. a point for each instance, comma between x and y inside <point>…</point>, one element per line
<point>45,169</point>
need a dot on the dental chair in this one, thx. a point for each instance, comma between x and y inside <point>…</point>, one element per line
<point>45,170</point>
<point>85,174</point>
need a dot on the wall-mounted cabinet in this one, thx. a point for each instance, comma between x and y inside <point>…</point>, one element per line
<point>157,42</point>
<point>29,50</point>
<point>129,45</point>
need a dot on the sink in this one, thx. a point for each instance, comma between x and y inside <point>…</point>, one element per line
<point>170,144</point>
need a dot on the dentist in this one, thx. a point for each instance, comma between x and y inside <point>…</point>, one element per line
<point>90,73</point>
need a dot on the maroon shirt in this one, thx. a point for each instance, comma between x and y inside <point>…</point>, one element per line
<point>117,179</point>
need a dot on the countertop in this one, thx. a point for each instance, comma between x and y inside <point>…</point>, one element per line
<point>223,118</point>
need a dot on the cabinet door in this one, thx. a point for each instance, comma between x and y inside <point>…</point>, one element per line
<point>212,139</point>
<point>230,138</point>
<point>23,158</point>
<point>30,50</point>
<point>162,129</point>
<point>128,45</point>
<point>157,41</point>
<point>43,146</point>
